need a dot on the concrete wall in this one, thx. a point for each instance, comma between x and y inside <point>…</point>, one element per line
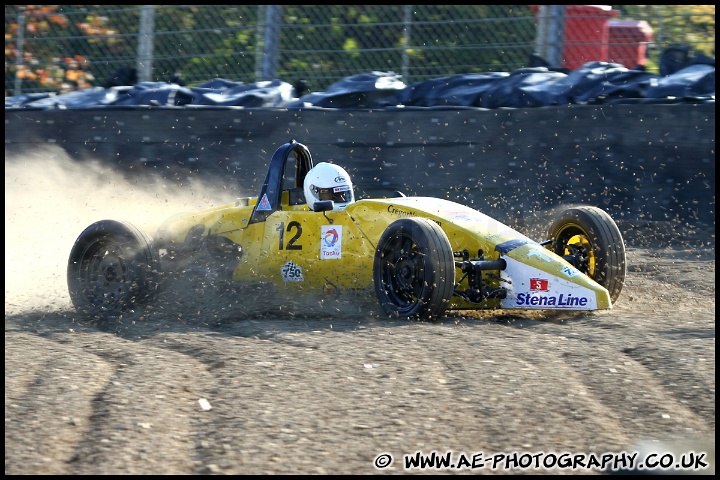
<point>639,162</point>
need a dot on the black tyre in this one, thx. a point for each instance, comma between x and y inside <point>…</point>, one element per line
<point>112,268</point>
<point>414,269</point>
<point>593,238</point>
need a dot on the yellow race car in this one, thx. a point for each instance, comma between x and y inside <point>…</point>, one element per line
<point>305,234</point>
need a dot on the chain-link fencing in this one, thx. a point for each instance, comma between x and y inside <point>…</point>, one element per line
<point>61,48</point>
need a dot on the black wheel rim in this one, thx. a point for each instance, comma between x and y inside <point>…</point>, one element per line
<point>403,273</point>
<point>105,274</point>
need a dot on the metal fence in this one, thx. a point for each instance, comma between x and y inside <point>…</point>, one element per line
<point>60,48</point>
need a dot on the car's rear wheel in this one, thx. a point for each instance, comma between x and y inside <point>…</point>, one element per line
<point>590,238</point>
<point>414,269</point>
<point>112,268</point>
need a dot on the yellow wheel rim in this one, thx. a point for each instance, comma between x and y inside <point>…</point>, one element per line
<point>581,242</point>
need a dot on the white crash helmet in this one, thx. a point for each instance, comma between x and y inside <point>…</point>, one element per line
<point>326,181</point>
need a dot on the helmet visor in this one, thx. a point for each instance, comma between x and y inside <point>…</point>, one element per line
<point>339,194</point>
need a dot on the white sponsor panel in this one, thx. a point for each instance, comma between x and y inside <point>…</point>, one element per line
<point>529,287</point>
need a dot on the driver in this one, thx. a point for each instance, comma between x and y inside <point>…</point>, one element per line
<point>326,181</point>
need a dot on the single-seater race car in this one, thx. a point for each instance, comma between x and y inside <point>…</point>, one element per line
<point>420,256</point>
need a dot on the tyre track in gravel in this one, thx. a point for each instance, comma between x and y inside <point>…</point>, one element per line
<point>96,398</point>
<point>44,388</point>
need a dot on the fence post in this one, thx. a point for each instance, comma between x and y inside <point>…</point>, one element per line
<point>259,42</point>
<point>272,41</point>
<point>145,43</point>
<point>19,47</point>
<point>550,33</point>
<point>406,36</point>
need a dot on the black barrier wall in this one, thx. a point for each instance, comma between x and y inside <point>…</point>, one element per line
<point>639,162</point>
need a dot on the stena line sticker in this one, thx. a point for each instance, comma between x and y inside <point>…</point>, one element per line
<point>331,242</point>
<point>563,300</point>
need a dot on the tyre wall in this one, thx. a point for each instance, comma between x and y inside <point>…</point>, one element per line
<point>639,162</point>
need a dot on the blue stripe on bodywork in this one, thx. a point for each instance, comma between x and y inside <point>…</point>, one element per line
<point>504,248</point>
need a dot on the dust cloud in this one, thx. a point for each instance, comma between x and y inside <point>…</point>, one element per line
<point>50,199</point>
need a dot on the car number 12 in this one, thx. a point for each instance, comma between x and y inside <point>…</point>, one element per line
<point>291,245</point>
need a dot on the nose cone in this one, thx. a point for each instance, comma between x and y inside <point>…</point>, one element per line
<point>539,279</point>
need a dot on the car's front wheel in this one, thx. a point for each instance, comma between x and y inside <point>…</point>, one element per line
<point>414,269</point>
<point>591,240</point>
<point>113,267</point>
